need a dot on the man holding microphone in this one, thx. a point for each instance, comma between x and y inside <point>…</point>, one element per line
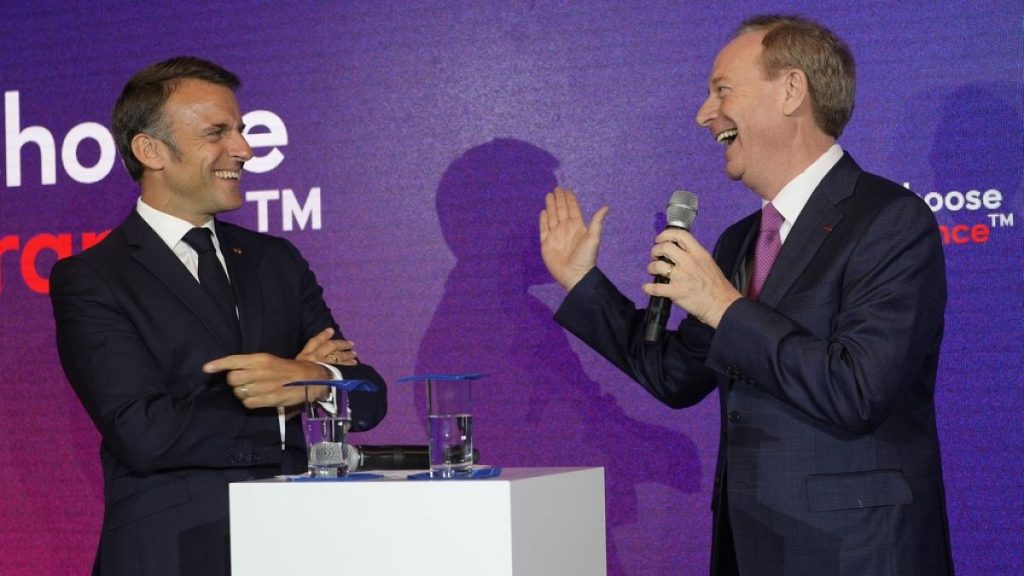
<point>818,320</point>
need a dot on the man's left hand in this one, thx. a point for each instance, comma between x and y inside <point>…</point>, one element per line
<point>320,348</point>
<point>696,283</point>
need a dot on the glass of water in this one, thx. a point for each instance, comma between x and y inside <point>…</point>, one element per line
<point>325,425</point>
<point>327,443</point>
<point>450,427</point>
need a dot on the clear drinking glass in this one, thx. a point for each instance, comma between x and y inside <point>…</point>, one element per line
<point>450,427</point>
<point>326,426</point>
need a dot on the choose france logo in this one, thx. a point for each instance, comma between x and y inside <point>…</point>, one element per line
<point>975,215</point>
<point>264,130</point>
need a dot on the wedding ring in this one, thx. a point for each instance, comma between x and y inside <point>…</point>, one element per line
<point>244,391</point>
<point>332,358</point>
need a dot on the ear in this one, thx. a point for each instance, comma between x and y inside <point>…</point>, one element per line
<point>796,90</point>
<point>149,151</point>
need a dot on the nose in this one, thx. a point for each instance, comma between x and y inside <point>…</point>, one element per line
<point>708,111</point>
<point>241,149</point>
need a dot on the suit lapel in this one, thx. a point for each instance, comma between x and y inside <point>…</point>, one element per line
<point>242,259</point>
<point>818,218</point>
<point>149,251</point>
<point>737,248</point>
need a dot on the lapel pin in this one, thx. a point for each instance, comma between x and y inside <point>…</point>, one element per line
<point>237,251</point>
<point>826,228</point>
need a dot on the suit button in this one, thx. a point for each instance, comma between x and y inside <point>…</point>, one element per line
<point>734,416</point>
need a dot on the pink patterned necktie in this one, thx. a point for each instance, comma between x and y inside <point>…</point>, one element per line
<point>769,242</point>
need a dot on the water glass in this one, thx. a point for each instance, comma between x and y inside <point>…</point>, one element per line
<point>450,427</point>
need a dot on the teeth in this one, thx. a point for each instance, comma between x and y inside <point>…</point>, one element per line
<point>227,174</point>
<point>726,136</point>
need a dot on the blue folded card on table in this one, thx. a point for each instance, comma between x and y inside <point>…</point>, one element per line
<point>464,376</point>
<point>476,474</point>
<point>355,477</point>
<point>346,385</point>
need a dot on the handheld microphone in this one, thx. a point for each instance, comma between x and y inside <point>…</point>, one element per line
<point>680,213</point>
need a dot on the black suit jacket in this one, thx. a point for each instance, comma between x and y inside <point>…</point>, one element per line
<point>133,331</point>
<point>829,453</point>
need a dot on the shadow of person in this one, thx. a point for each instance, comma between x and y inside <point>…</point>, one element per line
<point>537,407</point>
<point>978,145</point>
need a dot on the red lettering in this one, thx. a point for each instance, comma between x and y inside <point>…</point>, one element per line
<point>961,234</point>
<point>7,244</point>
<point>60,244</point>
<point>979,233</point>
<point>90,239</point>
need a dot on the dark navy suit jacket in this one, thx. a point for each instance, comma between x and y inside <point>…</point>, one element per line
<point>829,453</point>
<point>133,331</point>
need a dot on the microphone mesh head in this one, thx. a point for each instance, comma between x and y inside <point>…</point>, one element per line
<point>681,210</point>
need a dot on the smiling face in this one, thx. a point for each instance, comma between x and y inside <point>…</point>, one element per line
<point>197,173</point>
<point>745,112</point>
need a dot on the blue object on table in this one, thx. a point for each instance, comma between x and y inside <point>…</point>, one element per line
<point>346,385</point>
<point>477,474</point>
<point>464,376</point>
<point>350,478</point>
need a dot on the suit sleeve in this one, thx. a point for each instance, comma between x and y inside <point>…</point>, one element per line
<point>122,387</point>
<point>886,331</point>
<point>672,370</point>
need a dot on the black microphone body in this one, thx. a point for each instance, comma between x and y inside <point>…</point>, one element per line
<point>680,214</point>
<point>392,457</point>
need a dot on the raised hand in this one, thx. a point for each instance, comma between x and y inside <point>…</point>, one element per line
<point>568,246</point>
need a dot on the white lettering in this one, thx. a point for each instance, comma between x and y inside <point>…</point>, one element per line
<point>69,153</point>
<point>15,138</point>
<point>292,212</point>
<point>992,199</point>
<point>273,136</point>
<point>265,131</point>
<point>306,214</point>
<point>955,200</point>
<point>262,199</point>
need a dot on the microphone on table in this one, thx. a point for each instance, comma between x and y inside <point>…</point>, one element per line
<point>392,457</point>
<point>680,213</point>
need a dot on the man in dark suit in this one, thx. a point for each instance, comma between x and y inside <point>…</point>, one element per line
<point>824,361</point>
<point>184,383</point>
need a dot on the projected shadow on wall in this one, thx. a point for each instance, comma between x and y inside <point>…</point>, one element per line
<point>978,145</point>
<point>537,407</point>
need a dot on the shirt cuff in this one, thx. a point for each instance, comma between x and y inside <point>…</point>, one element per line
<point>330,403</point>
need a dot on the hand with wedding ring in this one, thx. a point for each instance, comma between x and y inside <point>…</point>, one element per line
<point>321,348</point>
<point>696,283</point>
<point>259,379</point>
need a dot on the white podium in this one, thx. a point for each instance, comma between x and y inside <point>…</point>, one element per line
<point>527,522</point>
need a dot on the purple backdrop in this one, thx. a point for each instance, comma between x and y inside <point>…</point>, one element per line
<point>420,140</point>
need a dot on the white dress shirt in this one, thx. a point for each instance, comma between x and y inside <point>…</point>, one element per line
<point>790,201</point>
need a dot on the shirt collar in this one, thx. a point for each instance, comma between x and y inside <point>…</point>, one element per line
<point>169,228</point>
<point>790,201</point>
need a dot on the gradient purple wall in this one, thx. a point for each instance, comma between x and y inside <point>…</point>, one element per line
<point>432,131</point>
